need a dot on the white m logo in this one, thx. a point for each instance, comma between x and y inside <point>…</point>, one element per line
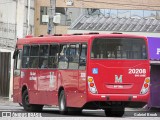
<point>118,79</point>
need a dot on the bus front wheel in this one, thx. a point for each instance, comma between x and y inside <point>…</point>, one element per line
<point>27,106</point>
<point>62,103</point>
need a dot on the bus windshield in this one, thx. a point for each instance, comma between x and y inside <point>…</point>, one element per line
<point>119,48</point>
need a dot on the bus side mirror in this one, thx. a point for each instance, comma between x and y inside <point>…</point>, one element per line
<point>15,54</point>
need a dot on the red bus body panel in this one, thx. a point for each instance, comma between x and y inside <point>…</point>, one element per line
<point>107,69</point>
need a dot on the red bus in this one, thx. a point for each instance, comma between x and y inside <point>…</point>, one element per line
<point>88,71</point>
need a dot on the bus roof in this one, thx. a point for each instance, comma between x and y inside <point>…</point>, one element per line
<point>69,38</point>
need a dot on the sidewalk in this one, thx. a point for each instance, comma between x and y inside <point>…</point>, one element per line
<point>6,101</point>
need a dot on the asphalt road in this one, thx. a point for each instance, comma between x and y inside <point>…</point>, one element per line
<point>50,113</point>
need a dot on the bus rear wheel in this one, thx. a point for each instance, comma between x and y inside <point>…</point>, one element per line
<point>115,111</point>
<point>62,103</point>
<point>27,106</point>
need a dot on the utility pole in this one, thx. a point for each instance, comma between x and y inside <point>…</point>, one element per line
<point>51,15</point>
<point>28,17</point>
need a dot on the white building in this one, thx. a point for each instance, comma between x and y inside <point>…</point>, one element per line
<point>16,21</point>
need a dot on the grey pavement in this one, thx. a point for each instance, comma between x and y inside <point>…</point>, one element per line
<point>8,105</point>
<point>6,101</point>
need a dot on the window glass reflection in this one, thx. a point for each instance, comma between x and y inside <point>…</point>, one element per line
<point>137,13</point>
<point>149,14</point>
<point>69,15</point>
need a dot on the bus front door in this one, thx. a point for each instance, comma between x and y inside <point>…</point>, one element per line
<point>17,76</point>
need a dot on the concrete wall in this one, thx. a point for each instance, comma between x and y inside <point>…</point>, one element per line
<point>8,32</point>
<point>7,11</point>
<point>7,23</point>
<point>113,4</point>
<point>61,29</point>
<point>13,24</point>
<point>22,18</point>
<point>40,29</point>
<point>14,21</point>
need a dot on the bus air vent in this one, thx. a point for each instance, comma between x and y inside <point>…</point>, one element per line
<point>93,32</point>
<point>40,35</point>
<point>90,33</point>
<point>77,33</point>
<point>57,35</point>
<point>116,33</point>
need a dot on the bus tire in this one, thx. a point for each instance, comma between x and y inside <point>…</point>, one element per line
<point>27,106</point>
<point>115,111</point>
<point>62,103</point>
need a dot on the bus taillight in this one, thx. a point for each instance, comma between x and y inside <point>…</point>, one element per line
<point>91,85</point>
<point>145,86</point>
<point>147,80</point>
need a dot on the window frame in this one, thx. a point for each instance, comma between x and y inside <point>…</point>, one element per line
<point>92,58</point>
<point>58,55</point>
<point>54,56</point>
<point>41,15</point>
<point>34,56</point>
<point>67,44</point>
<point>78,54</point>
<point>84,43</point>
<point>39,56</point>
<point>18,57</point>
<point>26,56</point>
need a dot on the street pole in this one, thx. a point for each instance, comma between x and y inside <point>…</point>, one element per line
<point>16,21</point>
<point>51,15</point>
<point>28,17</point>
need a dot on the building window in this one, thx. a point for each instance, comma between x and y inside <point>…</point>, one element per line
<point>43,14</point>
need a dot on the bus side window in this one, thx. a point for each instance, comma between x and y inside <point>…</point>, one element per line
<point>43,59</point>
<point>63,57</point>
<point>83,55</point>
<point>25,60</point>
<point>17,59</point>
<point>73,56</point>
<point>34,56</point>
<point>53,56</point>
